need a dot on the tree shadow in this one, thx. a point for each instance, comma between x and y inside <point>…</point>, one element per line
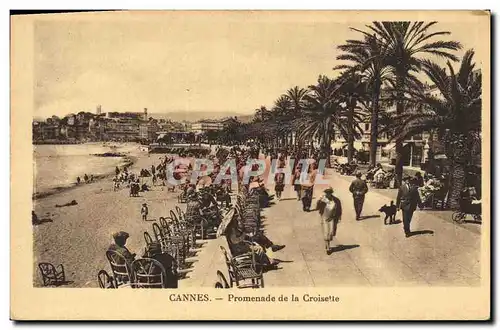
<point>41,221</point>
<point>366,217</point>
<point>192,253</point>
<point>341,247</point>
<point>421,232</point>
<point>288,199</point>
<point>198,245</point>
<point>60,283</point>
<point>283,261</point>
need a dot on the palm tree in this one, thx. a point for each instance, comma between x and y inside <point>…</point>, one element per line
<point>261,114</point>
<point>322,113</point>
<point>455,115</point>
<point>296,95</point>
<point>406,43</point>
<point>368,58</point>
<point>353,91</point>
<point>281,110</point>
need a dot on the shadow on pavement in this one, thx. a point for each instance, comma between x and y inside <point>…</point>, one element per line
<point>473,221</point>
<point>340,248</point>
<point>366,217</point>
<point>397,222</point>
<point>288,199</point>
<point>422,232</point>
<point>39,222</point>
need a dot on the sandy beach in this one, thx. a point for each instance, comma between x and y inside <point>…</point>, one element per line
<point>78,236</point>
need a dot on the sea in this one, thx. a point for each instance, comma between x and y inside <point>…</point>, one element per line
<point>58,166</point>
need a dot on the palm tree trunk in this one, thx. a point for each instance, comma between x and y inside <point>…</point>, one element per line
<point>398,170</point>
<point>456,184</point>
<point>350,131</point>
<point>459,154</point>
<point>374,123</point>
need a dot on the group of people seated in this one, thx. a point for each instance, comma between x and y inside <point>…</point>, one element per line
<point>428,185</point>
<point>152,251</point>
<point>241,242</point>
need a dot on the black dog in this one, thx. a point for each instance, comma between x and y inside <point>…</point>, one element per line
<point>390,213</point>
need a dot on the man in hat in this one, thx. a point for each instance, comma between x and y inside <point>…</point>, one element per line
<point>358,189</point>
<point>120,239</point>
<point>407,200</point>
<point>330,210</point>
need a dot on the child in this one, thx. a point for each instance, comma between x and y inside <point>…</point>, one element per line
<point>144,211</point>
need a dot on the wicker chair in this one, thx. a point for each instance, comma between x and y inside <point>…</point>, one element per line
<point>148,274</point>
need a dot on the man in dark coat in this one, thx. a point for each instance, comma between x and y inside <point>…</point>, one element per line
<point>407,200</point>
<point>120,239</point>
<point>358,189</point>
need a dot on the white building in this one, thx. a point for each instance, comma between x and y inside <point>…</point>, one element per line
<point>206,125</point>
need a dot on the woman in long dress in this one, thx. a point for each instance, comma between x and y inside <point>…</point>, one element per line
<point>330,210</point>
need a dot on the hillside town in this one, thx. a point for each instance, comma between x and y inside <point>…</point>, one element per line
<point>117,126</point>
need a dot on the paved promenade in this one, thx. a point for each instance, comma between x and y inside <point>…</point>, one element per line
<point>440,253</point>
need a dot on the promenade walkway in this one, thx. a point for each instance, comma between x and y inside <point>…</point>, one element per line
<point>370,254</point>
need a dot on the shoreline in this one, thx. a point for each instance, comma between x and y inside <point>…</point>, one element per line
<point>78,236</point>
<point>128,161</point>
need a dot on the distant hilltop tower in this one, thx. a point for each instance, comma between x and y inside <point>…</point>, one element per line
<point>146,114</point>
<point>98,110</point>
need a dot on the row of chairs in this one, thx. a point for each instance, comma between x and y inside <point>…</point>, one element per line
<point>244,270</point>
<point>174,235</point>
<point>143,273</point>
<point>248,211</point>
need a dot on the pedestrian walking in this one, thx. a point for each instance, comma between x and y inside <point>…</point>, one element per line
<point>307,187</point>
<point>296,181</point>
<point>330,211</point>
<point>358,189</point>
<point>407,200</point>
<point>144,211</point>
<point>279,185</point>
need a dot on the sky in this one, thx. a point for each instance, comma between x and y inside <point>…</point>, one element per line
<point>228,62</point>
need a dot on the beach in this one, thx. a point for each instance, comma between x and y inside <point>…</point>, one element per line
<point>56,167</point>
<point>78,236</point>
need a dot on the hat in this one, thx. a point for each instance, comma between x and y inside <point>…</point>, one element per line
<point>144,204</point>
<point>329,190</point>
<point>358,174</point>
<point>406,177</point>
<point>121,234</point>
